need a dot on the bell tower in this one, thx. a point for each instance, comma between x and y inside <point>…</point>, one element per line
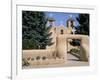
<point>70,24</point>
<point>51,22</point>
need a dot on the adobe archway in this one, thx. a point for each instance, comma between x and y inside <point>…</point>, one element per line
<point>62,46</point>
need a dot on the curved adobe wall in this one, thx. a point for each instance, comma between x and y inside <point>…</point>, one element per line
<point>62,45</point>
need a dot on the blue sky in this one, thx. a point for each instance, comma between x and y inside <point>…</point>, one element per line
<point>62,17</point>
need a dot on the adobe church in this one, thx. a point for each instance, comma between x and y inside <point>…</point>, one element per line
<point>61,29</point>
<point>57,53</point>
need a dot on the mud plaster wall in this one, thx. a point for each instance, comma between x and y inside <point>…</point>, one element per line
<point>58,53</point>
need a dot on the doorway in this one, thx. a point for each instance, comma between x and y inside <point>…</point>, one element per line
<point>74,49</point>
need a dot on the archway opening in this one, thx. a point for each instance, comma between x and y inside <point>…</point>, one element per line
<point>74,49</point>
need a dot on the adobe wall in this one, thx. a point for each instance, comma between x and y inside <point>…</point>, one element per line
<point>56,31</point>
<point>50,57</point>
<point>41,53</point>
<point>58,53</point>
<point>62,45</point>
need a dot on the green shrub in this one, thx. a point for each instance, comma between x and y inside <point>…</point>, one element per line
<point>74,51</point>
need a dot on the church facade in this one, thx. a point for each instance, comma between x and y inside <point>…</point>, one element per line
<point>60,30</point>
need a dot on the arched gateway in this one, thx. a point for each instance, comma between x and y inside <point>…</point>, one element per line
<point>62,46</point>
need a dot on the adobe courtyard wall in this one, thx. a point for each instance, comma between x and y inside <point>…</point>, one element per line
<point>62,45</point>
<point>57,54</point>
<point>49,54</point>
